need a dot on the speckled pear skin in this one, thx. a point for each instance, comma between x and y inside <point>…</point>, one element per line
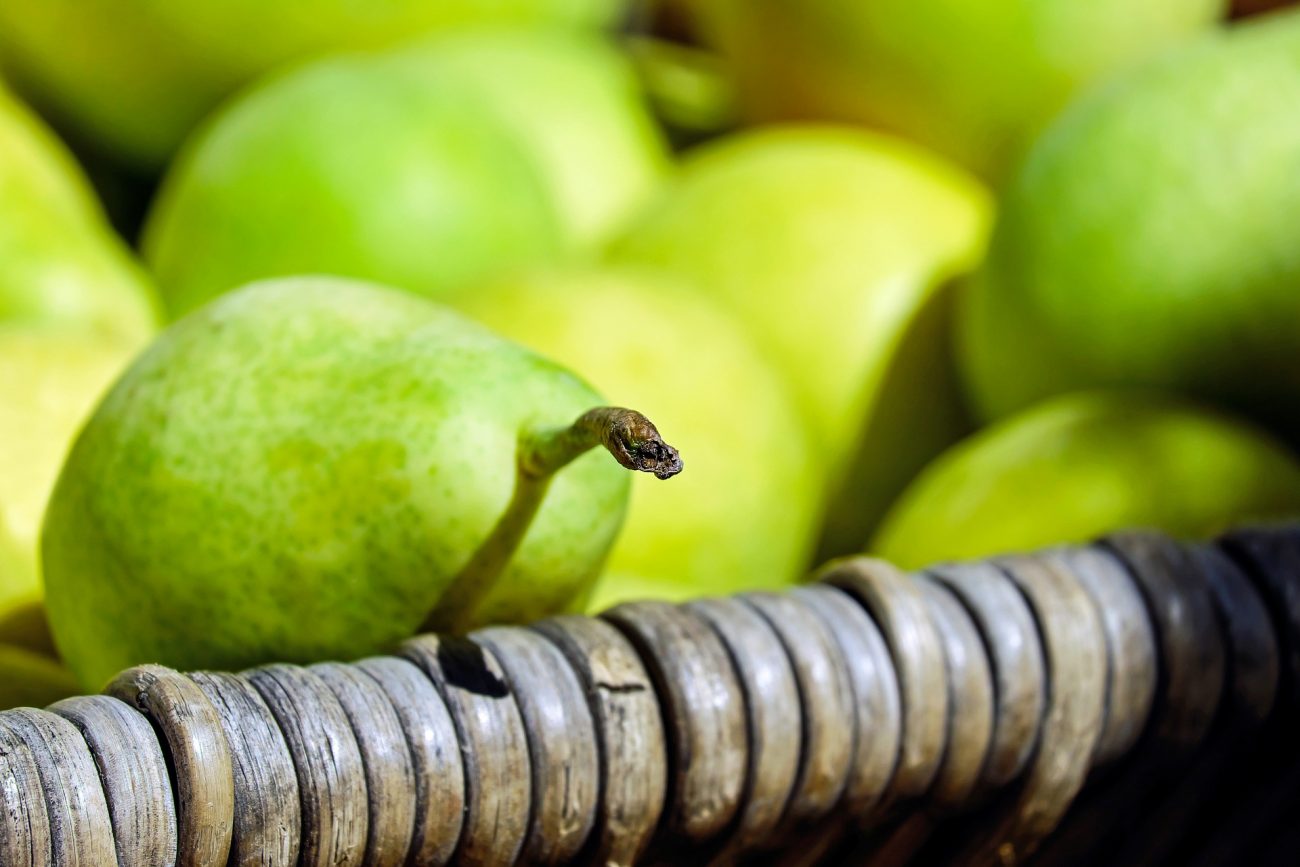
<point>297,471</point>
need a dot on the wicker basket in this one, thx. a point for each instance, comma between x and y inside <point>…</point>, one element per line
<point>1133,701</point>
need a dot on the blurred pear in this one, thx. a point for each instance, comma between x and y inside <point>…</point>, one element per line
<point>30,679</point>
<point>833,247</point>
<point>50,381</point>
<point>575,101</point>
<point>353,166</point>
<point>1081,465</point>
<point>743,514</point>
<point>60,264</point>
<point>972,79</point>
<point>1150,239</point>
<point>133,77</point>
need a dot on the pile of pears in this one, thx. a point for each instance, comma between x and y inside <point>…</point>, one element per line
<point>319,330</point>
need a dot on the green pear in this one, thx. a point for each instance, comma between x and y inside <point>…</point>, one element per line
<point>29,679</point>
<point>972,79</point>
<point>831,245</point>
<point>1150,239</point>
<point>134,76</point>
<point>60,264</point>
<point>315,468</point>
<point>49,383</point>
<point>353,166</point>
<point>744,516</point>
<point>1081,465</point>
<point>577,104</point>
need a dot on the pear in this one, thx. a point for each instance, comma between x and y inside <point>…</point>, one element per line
<point>744,516</point>
<point>314,468</point>
<point>60,264</point>
<point>577,104</point>
<point>352,166</point>
<point>49,383</point>
<point>972,79</point>
<point>1149,239</point>
<point>833,246</point>
<point>1081,465</point>
<point>29,679</point>
<point>134,76</point>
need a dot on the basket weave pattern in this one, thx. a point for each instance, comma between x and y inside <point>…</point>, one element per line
<point>1110,703</point>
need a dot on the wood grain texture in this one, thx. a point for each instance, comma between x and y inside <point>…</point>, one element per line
<point>1253,654</point>
<point>1191,648</point>
<point>773,712</point>
<point>1076,659</point>
<point>390,774</point>
<point>1270,557</point>
<point>704,707</point>
<point>81,832</point>
<point>826,699</point>
<point>194,741</point>
<point>1015,653</point>
<point>630,736</point>
<point>327,761</point>
<point>25,837</point>
<point>1133,663</point>
<point>896,604</point>
<point>561,742</point>
<point>133,772</point>
<point>494,746</point>
<point>878,716</point>
<point>435,756</point>
<point>268,815</point>
<point>970,697</point>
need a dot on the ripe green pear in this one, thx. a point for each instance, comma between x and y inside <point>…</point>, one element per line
<point>353,166</point>
<point>971,79</point>
<point>744,516</point>
<point>832,245</point>
<point>1081,465</point>
<point>315,468</point>
<point>49,383</point>
<point>60,264</point>
<point>576,103</point>
<point>1150,239</point>
<point>135,76</point>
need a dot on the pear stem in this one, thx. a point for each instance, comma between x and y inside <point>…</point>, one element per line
<point>628,435</point>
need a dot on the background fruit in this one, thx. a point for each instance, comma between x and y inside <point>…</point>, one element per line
<point>1149,239</point>
<point>59,263</point>
<point>134,76</point>
<point>973,80</point>
<point>576,103</point>
<point>826,243</point>
<point>1081,465</point>
<point>49,383</point>
<point>30,679</point>
<point>353,167</point>
<point>744,513</point>
<point>298,471</point>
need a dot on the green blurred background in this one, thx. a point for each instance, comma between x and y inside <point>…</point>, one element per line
<point>931,279</point>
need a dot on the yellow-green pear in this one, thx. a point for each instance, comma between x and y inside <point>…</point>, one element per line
<point>29,679</point>
<point>50,382</point>
<point>1150,239</point>
<point>971,79</point>
<point>314,468</point>
<point>353,166</point>
<point>744,515</point>
<point>60,264</point>
<point>576,102</point>
<point>832,246</point>
<point>1082,465</point>
<point>133,77</point>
